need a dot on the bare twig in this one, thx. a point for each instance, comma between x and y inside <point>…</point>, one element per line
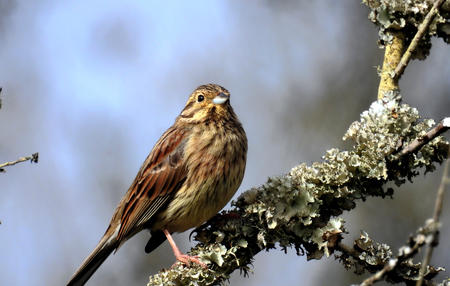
<point>1,97</point>
<point>33,159</point>
<point>437,130</point>
<point>437,213</point>
<point>415,41</point>
<point>380,274</point>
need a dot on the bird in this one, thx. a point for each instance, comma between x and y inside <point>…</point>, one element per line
<point>191,173</point>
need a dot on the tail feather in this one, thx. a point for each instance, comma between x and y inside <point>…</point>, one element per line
<point>93,261</point>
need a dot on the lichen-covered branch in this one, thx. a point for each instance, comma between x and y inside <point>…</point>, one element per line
<point>368,255</point>
<point>33,159</point>
<point>406,16</point>
<point>299,210</point>
<point>404,23</point>
<point>417,37</point>
<point>437,130</point>
<point>392,56</point>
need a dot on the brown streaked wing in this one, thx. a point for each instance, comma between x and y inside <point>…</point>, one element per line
<point>161,175</point>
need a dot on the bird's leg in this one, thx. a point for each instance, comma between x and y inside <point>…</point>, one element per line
<point>183,258</point>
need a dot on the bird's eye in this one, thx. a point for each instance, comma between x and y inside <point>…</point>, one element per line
<point>200,98</point>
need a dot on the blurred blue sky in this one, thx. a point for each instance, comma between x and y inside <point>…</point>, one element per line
<point>92,85</point>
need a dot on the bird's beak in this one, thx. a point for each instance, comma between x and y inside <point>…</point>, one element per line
<point>221,98</point>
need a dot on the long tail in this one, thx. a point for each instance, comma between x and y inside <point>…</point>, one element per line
<point>103,249</point>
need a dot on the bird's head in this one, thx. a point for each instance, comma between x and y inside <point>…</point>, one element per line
<point>207,102</point>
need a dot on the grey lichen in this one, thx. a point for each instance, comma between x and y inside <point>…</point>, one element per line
<point>406,15</point>
<point>299,210</point>
<point>368,255</point>
<point>372,253</point>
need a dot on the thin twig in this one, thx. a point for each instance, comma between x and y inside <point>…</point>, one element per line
<point>380,274</point>
<point>415,41</point>
<point>392,264</point>
<point>405,253</point>
<point>437,130</point>
<point>33,159</point>
<point>436,215</point>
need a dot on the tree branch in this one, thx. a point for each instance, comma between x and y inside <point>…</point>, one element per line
<point>415,41</point>
<point>378,258</point>
<point>299,209</point>
<point>33,159</point>
<point>437,130</point>
<point>392,56</point>
<point>371,256</point>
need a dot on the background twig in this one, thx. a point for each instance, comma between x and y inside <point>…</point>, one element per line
<point>33,159</point>
<point>437,213</point>
<point>405,253</point>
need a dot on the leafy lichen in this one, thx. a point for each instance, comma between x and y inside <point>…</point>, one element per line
<point>372,256</point>
<point>406,15</point>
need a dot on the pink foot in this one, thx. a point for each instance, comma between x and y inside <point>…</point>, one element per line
<point>186,260</point>
<point>183,258</point>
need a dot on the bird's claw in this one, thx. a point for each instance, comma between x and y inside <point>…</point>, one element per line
<point>187,259</point>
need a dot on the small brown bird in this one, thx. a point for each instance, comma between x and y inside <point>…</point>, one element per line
<point>192,172</point>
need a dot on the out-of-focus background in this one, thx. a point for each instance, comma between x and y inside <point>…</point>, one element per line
<point>91,85</point>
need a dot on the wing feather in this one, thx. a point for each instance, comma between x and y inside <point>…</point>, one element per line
<point>159,178</point>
